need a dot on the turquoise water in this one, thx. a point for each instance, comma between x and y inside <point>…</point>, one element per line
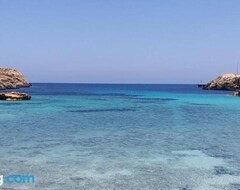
<point>120,137</point>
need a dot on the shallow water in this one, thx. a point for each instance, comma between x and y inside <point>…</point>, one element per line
<point>118,137</point>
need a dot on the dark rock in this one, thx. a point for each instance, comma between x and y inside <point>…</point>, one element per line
<point>14,96</point>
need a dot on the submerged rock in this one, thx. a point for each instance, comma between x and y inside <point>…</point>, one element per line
<point>224,82</point>
<point>13,96</point>
<point>12,79</point>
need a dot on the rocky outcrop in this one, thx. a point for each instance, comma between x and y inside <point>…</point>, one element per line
<point>12,79</point>
<point>237,93</point>
<point>13,96</point>
<point>224,82</point>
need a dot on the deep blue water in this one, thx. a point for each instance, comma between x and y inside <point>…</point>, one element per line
<point>120,137</point>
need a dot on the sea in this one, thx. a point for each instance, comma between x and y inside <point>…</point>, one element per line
<point>121,137</point>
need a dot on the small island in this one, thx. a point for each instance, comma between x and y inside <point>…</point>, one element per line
<point>12,79</point>
<point>229,82</point>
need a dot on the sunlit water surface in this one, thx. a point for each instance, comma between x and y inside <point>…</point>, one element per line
<point>120,137</point>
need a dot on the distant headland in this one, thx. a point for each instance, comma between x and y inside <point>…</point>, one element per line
<point>228,81</point>
<point>13,79</point>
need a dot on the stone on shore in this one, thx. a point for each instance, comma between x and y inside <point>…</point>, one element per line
<point>224,82</point>
<point>14,96</point>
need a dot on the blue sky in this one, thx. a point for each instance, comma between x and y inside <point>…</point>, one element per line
<point>120,41</point>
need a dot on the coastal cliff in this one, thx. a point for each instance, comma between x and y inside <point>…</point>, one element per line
<point>224,82</point>
<point>12,79</point>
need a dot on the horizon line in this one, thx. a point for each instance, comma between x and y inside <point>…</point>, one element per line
<point>109,83</point>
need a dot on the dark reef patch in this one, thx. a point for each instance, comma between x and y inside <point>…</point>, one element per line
<point>236,186</point>
<point>10,104</point>
<point>196,104</point>
<point>78,178</point>
<point>119,95</point>
<point>152,100</point>
<point>219,170</point>
<point>62,93</point>
<point>72,106</point>
<point>104,110</point>
<point>98,99</point>
<point>86,94</point>
<point>186,188</point>
<point>19,103</point>
<point>34,103</point>
<point>157,99</point>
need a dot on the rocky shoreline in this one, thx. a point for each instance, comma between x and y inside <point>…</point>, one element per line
<point>13,79</point>
<point>225,82</point>
<point>14,96</point>
<point>230,82</point>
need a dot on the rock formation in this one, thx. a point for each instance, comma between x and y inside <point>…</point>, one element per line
<point>12,79</point>
<point>224,82</point>
<point>237,93</point>
<point>14,96</point>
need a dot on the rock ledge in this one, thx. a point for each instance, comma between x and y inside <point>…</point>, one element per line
<point>14,96</point>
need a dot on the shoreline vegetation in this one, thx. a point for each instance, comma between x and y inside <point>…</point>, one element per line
<point>13,79</point>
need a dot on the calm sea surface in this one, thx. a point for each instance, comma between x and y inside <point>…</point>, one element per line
<point>122,137</point>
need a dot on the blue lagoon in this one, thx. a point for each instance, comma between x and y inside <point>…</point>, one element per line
<point>120,137</point>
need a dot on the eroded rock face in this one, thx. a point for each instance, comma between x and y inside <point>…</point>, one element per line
<point>224,82</point>
<point>12,79</point>
<point>14,96</point>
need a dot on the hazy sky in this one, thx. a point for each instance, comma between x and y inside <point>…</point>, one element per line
<point>120,41</point>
